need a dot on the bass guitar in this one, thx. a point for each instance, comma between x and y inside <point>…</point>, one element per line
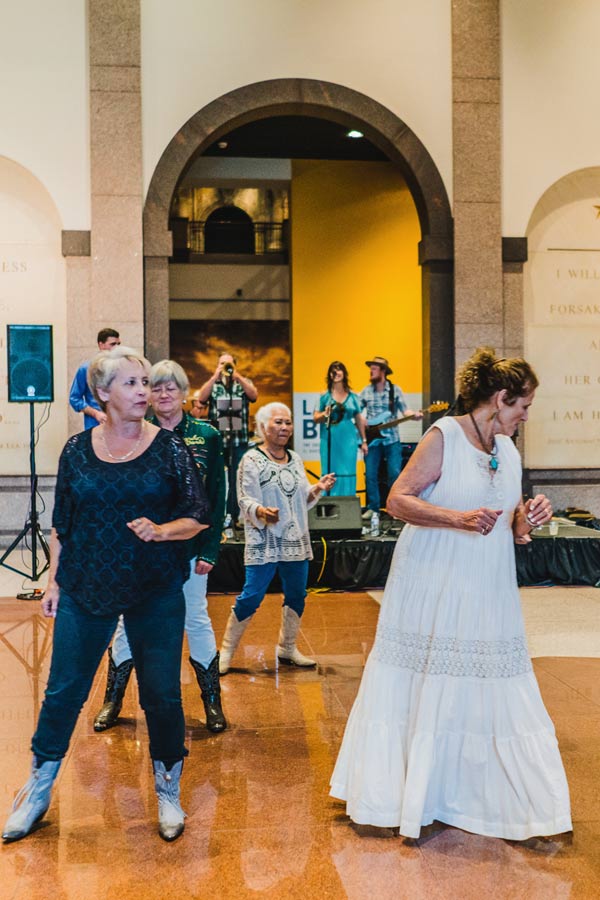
<point>374,431</point>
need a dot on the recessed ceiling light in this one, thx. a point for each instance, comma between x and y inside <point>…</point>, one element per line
<point>222,145</point>
<point>353,133</point>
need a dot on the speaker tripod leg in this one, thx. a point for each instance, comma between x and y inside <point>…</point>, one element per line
<point>10,549</point>
<point>43,542</point>
<point>37,531</point>
<point>38,537</point>
<point>32,524</point>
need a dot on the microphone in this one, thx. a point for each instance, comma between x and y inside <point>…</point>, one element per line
<point>335,410</point>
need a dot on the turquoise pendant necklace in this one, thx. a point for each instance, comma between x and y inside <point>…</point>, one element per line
<point>493,452</point>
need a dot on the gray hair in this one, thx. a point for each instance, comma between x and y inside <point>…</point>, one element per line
<point>104,367</point>
<point>264,414</point>
<point>169,370</point>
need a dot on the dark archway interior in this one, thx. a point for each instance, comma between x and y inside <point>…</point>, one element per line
<point>294,137</point>
<point>229,230</point>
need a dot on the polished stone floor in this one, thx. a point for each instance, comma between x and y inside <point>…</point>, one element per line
<point>261,823</point>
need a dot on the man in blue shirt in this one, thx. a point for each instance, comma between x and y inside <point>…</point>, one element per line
<point>382,401</point>
<point>81,397</point>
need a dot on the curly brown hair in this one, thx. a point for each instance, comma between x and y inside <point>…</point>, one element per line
<point>484,374</point>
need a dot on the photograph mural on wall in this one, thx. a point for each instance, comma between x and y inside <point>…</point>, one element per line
<point>262,350</point>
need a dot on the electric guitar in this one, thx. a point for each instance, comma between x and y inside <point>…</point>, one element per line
<point>374,431</point>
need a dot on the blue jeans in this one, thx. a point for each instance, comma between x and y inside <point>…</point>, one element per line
<point>392,453</point>
<point>155,631</point>
<point>198,627</point>
<point>294,576</point>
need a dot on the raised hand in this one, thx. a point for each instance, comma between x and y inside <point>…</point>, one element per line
<point>326,482</point>
<point>538,510</point>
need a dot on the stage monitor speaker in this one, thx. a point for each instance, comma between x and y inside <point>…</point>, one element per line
<point>30,368</point>
<point>336,517</point>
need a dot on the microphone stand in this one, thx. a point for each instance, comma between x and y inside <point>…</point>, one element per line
<point>327,493</point>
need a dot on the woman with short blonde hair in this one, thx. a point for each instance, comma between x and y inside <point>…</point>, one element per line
<point>127,500</point>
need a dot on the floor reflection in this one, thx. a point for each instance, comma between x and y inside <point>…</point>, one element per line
<point>260,820</point>
<point>27,636</point>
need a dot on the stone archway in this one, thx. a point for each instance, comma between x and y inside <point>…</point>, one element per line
<point>560,314</point>
<point>297,96</point>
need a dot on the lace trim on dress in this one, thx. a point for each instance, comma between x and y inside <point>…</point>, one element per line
<point>451,656</point>
<point>261,555</point>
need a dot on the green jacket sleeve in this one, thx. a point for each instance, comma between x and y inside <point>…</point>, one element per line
<point>206,544</point>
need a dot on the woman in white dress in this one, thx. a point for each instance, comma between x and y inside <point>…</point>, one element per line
<point>449,724</point>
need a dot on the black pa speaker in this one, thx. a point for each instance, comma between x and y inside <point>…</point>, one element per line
<point>336,517</point>
<point>30,370</point>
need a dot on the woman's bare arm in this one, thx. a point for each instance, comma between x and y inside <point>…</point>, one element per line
<point>51,594</point>
<point>176,530</point>
<point>423,470</point>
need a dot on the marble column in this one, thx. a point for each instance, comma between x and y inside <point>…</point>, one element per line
<point>478,276</point>
<point>156,319</point>
<point>81,337</point>
<point>514,256</point>
<point>435,259</point>
<point>116,283</point>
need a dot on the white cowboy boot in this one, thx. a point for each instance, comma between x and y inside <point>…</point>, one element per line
<point>233,634</point>
<point>171,817</point>
<point>287,652</point>
<point>32,801</point>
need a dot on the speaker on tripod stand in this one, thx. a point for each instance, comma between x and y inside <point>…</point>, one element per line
<point>30,380</point>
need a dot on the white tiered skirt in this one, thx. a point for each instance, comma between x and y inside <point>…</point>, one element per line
<point>449,722</point>
<point>477,754</point>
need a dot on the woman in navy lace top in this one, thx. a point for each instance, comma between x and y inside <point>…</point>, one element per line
<point>127,499</point>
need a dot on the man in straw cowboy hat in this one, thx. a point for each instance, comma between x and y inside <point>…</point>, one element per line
<point>382,401</point>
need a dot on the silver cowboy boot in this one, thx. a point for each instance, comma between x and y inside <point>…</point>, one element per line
<point>171,817</point>
<point>32,801</point>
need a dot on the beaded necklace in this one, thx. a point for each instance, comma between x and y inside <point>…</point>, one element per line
<point>272,455</point>
<point>493,451</point>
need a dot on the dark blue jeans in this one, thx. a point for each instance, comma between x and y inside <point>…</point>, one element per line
<point>293,575</point>
<point>392,453</point>
<point>155,633</point>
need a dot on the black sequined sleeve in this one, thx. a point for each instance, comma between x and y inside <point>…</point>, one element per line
<point>62,515</point>
<point>191,502</point>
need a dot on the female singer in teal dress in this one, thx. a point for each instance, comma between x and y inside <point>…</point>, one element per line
<point>342,423</point>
